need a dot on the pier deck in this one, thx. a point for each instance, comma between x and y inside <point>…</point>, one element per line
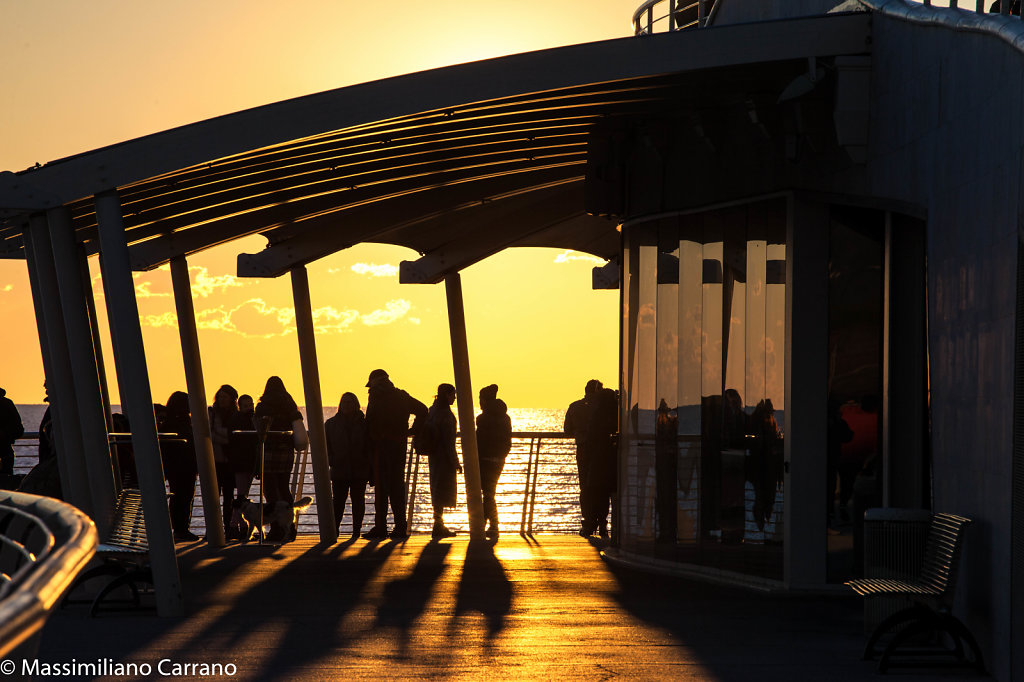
<point>546,609</point>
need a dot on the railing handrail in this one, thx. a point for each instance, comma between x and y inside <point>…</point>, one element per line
<point>25,607</point>
<point>703,19</point>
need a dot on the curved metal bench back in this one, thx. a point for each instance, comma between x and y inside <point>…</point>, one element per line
<point>24,541</point>
<point>942,555</point>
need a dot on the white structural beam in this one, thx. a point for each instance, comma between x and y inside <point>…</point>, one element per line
<point>72,470</point>
<point>95,444</point>
<point>464,389</point>
<point>137,400</point>
<point>314,404</point>
<point>202,441</point>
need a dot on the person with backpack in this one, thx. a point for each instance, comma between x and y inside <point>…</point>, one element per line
<point>387,416</point>
<point>437,440</point>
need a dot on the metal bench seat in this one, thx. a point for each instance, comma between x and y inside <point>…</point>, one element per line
<point>932,592</point>
<point>125,557</point>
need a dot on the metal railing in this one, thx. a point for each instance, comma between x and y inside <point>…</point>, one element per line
<point>538,490</point>
<point>914,10</point>
<point>43,572</point>
<point>659,16</point>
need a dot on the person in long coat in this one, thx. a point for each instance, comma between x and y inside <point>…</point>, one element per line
<point>438,444</point>
<point>11,429</point>
<point>601,474</point>
<point>222,415</point>
<point>494,441</point>
<point>348,450</point>
<point>387,415</point>
<point>279,449</point>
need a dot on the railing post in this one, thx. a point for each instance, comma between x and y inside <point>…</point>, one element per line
<point>526,489</point>
<point>414,465</point>
<point>533,492</point>
<point>672,15</point>
<point>702,13</point>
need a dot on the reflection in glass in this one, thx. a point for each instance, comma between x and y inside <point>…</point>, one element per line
<point>704,366</point>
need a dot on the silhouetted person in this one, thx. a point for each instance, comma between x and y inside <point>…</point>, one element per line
<point>438,443</point>
<point>179,464</point>
<point>665,463</point>
<point>494,441</point>
<point>222,416</point>
<point>44,477</point>
<point>764,463</point>
<point>279,449</point>
<point>387,415</point>
<point>577,417</point>
<point>862,419</point>
<point>348,450</point>
<point>11,429</point>
<point>243,457</point>
<point>601,467</point>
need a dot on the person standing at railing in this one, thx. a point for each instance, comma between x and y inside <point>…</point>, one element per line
<point>494,441</point>
<point>577,418</point>
<point>601,468</point>
<point>387,416</point>
<point>222,414</point>
<point>11,429</point>
<point>348,450</point>
<point>180,466</point>
<point>279,451</point>
<point>436,439</point>
<point>243,456</point>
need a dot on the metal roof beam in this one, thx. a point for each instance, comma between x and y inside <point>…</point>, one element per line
<point>325,234</point>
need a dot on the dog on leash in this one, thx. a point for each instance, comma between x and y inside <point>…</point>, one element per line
<point>281,516</point>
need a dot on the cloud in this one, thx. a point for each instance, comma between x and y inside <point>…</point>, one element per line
<point>256,319</point>
<point>375,270</point>
<point>8,287</point>
<point>392,311</point>
<point>204,284</point>
<point>569,256</point>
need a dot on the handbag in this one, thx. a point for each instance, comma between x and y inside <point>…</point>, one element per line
<point>300,439</point>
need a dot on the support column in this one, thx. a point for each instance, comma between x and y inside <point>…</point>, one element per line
<point>806,443</point>
<point>48,363</point>
<point>90,302</point>
<point>314,404</point>
<point>94,443</point>
<point>137,400</point>
<point>212,509</point>
<point>464,388</point>
<point>60,384</point>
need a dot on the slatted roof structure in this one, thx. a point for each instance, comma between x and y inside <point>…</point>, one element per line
<point>456,163</point>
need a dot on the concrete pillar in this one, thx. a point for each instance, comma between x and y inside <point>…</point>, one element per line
<point>60,384</point>
<point>314,405</point>
<point>137,400</point>
<point>94,444</point>
<point>806,444</point>
<point>212,509</point>
<point>44,347</point>
<point>464,389</point>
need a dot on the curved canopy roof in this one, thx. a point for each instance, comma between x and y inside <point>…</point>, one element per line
<point>457,162</point>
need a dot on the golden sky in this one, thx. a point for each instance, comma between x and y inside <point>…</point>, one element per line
<point>78,76</point>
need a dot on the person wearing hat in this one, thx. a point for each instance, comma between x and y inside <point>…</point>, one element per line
<point>387,419</point>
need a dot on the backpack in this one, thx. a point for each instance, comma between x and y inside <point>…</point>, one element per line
<point>425,436</point>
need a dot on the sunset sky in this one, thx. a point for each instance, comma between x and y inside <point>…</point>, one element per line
<point>79,76</point>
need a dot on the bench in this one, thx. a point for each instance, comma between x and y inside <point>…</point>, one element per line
<point>124,554</point>
<point>931,614</point>
<point>44,543</point>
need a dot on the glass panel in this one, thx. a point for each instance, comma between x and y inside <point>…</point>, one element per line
<point>856,243</point>
<point>666,442</point>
